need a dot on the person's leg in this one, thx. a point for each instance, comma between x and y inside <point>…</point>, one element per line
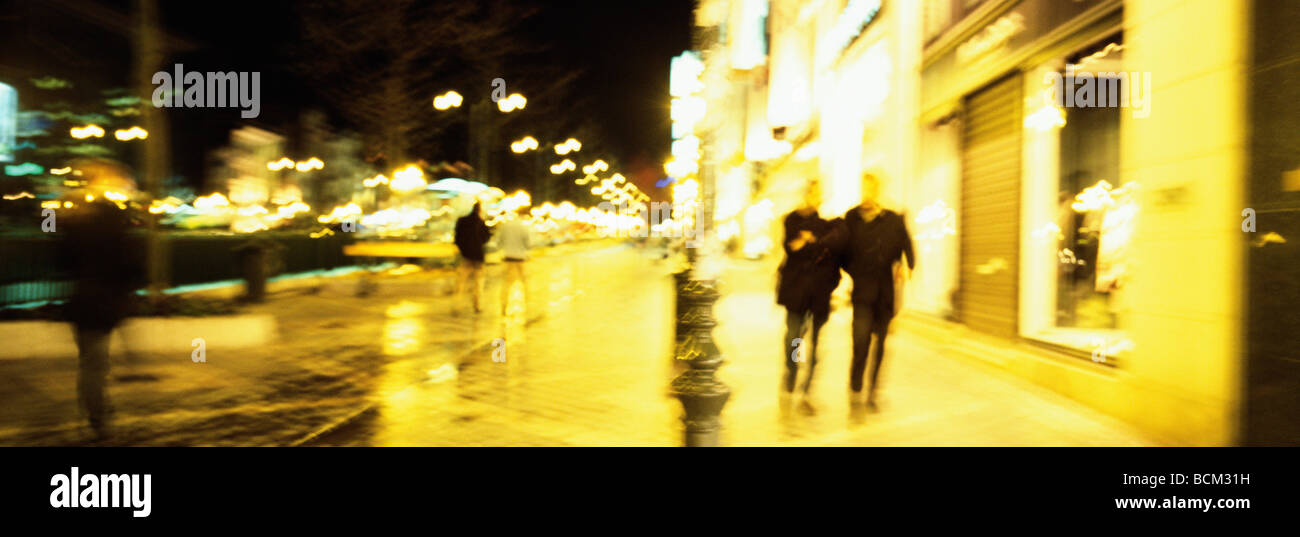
<point>794,321</point>
<point>476,284</point>
<point>461,275</point>
<point>818,320</point>
<point>862,323</point>
<point>522,278</point>
<point>879,331</point>
<point>92,375</point>
<point>507,282</point>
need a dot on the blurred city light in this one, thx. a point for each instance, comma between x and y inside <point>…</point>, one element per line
<point>567,147</point>
<point>511,103</point>
<point>132,133</point>
<point>87,131</point>
<point>451,99</point>
<point>408,179</point>
<point>525,144</point>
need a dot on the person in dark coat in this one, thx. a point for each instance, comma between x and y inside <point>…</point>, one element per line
<point>806,279</point>
<point>471,235</point>
<point>106,267</point>
<point>877,242</point>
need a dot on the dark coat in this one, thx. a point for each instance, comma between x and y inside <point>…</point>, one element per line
<point>471,234</point>
<point>869,255</point>
<point>808,276</point>
<point>106,266</point>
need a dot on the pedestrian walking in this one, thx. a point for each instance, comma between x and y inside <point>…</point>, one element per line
<point>877,242</point>
<point>808,275</point>
<point>512,236</point>
<point>106,268</point>
<point>471,235</point>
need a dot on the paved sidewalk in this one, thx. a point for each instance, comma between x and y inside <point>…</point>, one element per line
<point>587,362</point>
<point>335,354</point>
<point>597,374</point>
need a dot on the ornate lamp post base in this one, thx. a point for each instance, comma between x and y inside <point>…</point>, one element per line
<point>701,394</point>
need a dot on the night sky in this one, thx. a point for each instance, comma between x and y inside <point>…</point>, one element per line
<point>623,50</point>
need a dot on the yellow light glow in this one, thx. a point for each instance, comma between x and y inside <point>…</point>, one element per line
<point>1093,198</point>
<point>512,102</point>
<point>61,171</point>
<point>87,131</point>
<point>131,134</point>
<point>211,203</point>
<point>408,179</point>
<point>248,225</point>
<point>340,213</point>
<point>451,99</point>
<point>309,165</point>
<point>526,144</point>
<point>1046,118</point>
<point>284,162</point>
<point>568,146</point>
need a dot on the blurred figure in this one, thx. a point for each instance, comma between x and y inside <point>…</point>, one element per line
<point>808,275</point>
<point>106,269</point>
<point>512,235</point>
<point>877,239</point>
<point>470,235</point>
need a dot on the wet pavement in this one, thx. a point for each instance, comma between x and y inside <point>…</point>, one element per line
<point>585,360</point>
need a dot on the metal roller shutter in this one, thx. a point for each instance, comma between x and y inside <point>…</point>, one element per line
<point>990,210</point>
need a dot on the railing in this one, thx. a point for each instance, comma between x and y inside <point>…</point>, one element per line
<point>29,271</point>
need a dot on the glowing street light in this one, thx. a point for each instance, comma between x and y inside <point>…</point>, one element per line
<point>526,144</point>
<point>310,164</point>
<point>408,179</point>
<point>568,146</point>
<point>277,165</point>
<point>564,166</point>
<point>88,131</point>
<point>598,166</point>
<point>131,134</point>
<point>512,102</point>
<point>451,99</point>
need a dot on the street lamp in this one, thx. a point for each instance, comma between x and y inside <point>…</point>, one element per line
<point>564,166</point>
<point>87,131</point>
<point>131,134</point>
<point>570,145</point>
<point>451,99</point>
<point>511,103</point>
<point>526,144</point>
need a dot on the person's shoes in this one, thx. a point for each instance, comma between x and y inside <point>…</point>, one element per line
<point>871,402</point>
<point>855,398</point>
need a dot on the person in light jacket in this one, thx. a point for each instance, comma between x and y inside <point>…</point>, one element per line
<point>512,236</point>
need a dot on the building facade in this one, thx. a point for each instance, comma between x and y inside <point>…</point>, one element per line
<point>1076,176</point>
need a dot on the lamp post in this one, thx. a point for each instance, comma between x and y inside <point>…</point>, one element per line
<point>701,394</point>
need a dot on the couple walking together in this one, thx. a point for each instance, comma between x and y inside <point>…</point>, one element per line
<point>870,243</point>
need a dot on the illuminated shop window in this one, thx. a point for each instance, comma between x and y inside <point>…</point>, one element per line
<point>1081,211</point>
